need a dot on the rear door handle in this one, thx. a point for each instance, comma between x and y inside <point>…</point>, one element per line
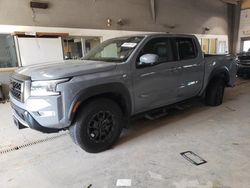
<point>173,69</point>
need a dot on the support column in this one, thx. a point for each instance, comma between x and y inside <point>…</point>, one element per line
<point>152,6</point>
<point>83,46</point>
<point>233,26</point>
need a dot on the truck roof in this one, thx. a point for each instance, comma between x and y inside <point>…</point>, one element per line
<point>160,34</point>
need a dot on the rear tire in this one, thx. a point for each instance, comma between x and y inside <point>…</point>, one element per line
<point>215,92</point>
<point>98,125</point>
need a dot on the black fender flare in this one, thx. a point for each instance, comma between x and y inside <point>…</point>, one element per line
<point>218,72</point>
<point>99,90</point>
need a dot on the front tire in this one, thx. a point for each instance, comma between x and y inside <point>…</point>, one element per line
<point>98,125</point>
<point>215,92</point>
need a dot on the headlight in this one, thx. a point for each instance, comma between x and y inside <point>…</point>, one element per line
<point>45,88</point>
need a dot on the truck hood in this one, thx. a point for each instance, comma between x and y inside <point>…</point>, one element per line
<point>65,69</point>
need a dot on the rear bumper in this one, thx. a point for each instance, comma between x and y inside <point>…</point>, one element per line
<point>23,119</point>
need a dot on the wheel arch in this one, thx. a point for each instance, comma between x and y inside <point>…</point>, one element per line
<point>221,72</point>
<point>114,91</point>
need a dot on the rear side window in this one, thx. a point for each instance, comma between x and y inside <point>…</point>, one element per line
<point>186,48</point>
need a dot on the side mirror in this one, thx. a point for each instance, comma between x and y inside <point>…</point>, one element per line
<point>148,59</point>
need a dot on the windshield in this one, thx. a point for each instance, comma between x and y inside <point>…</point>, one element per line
<point>114,50</point>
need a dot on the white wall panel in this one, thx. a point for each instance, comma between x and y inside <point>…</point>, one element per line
<point>40,50</point>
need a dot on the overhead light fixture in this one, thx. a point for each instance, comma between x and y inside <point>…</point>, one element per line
<point>121,22</point>
<point>170,26</point>
<point>207,29</point>
<point>39,5</point>
<point>109,22</point>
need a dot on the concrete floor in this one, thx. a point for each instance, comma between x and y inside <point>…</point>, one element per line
<point>148,152</point>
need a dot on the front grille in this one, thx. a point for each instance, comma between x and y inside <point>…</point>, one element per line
<point>16,89</point>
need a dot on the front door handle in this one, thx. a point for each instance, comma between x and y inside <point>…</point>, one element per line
<point>148,74</point>
<point>175,69</point>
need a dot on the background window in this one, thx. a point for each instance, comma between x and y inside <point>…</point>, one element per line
<point>8,56</point>
<point>212,46</point>
<point>222,47</point>
<point>78,47</point>
<point>186,48</point>
<point>205,45</point>
<point>246,46</point>
<point>209,46</point>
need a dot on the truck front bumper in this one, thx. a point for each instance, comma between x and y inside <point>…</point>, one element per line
<point>23,119</point>
<point>45,114</point>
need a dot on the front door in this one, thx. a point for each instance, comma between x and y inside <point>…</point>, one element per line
<point>156,85</point>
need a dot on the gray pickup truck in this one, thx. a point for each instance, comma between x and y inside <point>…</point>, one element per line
<point>122,77</point>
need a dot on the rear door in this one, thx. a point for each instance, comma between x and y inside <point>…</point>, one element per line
<point>192,67</point>
<point>157,85</point>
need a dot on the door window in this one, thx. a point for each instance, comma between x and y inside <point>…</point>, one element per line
<point>186,48</point>
<point>161,47</point>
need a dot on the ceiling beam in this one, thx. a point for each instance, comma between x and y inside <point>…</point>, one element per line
<point>233,2</point>
<point>152,6</point>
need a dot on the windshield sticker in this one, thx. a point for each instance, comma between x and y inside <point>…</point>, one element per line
<point>129,44</point>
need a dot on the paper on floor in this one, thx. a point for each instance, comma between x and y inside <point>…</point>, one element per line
<point>123,182</point>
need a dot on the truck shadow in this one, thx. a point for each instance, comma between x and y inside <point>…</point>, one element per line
<point>141,126</point>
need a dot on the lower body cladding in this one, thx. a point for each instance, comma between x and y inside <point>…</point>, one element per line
<point>44,115</point>
<point>243,71</point>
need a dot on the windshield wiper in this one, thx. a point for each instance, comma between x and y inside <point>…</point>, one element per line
<point>106,59</point>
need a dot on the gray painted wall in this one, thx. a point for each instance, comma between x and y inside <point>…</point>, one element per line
<point>189,16</point>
